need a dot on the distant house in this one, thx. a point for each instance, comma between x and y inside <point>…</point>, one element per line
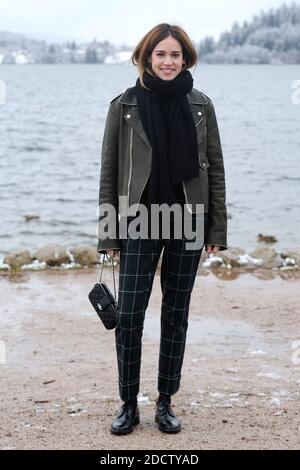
<point>21,59</point>
<point>118,58</point>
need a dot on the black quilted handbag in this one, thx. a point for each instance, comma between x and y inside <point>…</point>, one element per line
<point>104,302</point>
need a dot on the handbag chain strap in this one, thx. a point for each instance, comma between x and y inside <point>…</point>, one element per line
<point>113,267</point>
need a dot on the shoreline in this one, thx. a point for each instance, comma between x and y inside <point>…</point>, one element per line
<point>288,274</point>
<point>240,380</point>
<point>230,263</point>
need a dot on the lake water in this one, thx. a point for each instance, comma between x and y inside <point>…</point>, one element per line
<point>51,132</point>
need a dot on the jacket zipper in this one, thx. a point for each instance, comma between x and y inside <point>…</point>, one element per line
<point>130,169</point>
<point>199,121</point>
<point>199,141</point>
<point>186,199</point>
<point>183,185</point>
<point>130,163</point>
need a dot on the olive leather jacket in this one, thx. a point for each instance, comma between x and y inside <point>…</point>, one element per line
<point>126,164</point>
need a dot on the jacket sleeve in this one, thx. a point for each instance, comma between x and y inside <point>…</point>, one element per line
<point>107,230</point>
<point>217,214</point>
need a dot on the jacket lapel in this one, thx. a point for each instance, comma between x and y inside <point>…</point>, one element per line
<point>133,119</point>
<point>195,99</point>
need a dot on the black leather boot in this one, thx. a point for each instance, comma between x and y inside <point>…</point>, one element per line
<point>127,417</point>
<point>165,417</point>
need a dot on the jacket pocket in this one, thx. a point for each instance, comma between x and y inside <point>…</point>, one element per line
<point>201,129</point>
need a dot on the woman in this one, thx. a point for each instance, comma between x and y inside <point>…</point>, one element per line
<point>161,145</point>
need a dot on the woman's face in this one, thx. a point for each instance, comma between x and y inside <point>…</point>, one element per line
<point>167,58</point>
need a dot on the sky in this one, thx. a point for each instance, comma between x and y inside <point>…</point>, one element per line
<point>125,21</point>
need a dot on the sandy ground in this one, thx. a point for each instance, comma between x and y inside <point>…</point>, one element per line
<point>240,387</point>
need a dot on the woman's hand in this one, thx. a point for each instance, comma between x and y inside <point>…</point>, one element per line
<point>212,249</point>
<point>113,253</point>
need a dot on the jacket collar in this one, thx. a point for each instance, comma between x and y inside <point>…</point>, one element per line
<point>194,97</point>
<point>133,118</point>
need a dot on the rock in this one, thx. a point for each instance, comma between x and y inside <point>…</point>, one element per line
<point>210,260</point>
<point>29,217</point>
<point>266,238</point>
<point>250,266</point>
<point>270,258</point>
<point>215,261</point>
<point>85,255</point>
<point>290,257</point>
<point>53,255</point>
<point>4,266</point>
<point>231,256</point>
<point>18,259</point>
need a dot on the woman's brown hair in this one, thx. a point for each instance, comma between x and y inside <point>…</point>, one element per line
<point>143,50</point>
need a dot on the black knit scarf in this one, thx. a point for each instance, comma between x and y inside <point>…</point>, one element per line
<point>168,122</point>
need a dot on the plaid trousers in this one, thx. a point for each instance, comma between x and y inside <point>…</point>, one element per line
<point>138,262</point>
